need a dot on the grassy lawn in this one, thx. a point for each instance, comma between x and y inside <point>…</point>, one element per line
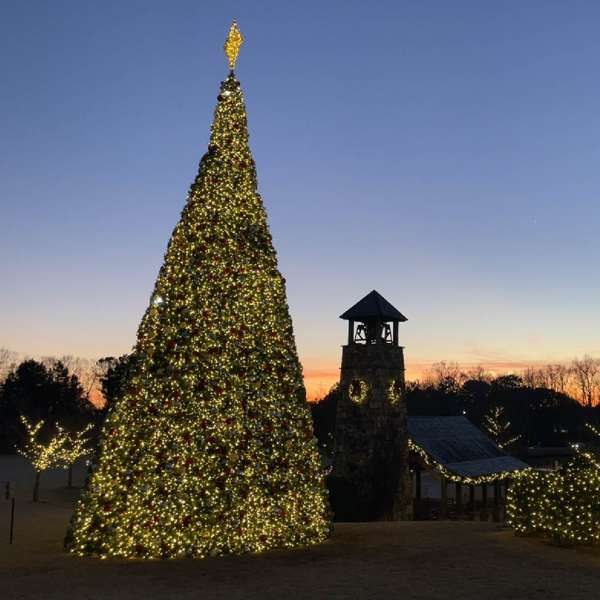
<point>420,560</point>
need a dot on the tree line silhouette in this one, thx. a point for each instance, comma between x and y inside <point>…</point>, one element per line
<point>545,406</point>
<point>534,413</point>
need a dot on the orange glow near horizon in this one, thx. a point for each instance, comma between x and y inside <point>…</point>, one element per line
<point>319,381</point>
<point>321,375</point>
<point>96,398</point>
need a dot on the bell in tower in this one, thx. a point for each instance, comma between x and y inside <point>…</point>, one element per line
<point>371,478</point>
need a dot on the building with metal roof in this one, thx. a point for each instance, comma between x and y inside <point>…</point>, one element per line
<point>452,449</point>
<point>455,445</point>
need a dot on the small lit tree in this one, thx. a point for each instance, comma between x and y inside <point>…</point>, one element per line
<point>562,505</point>
<point>76,446</point>
<point>499,427</point>
<point>42,455</point>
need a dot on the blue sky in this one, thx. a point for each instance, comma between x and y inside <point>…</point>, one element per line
<point>444,153</point>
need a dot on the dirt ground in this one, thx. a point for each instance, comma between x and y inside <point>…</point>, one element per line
<point>415,560</point>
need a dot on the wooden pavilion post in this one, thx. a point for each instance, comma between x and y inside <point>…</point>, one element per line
<point>471,501</point>
<point>417,503</point>
<point>444,497</point>
<point>458,498</point>
<point>418,481</point>
<point>483,514</point>
<point>496,509</point>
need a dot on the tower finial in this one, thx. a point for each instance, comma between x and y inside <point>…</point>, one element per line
<point>233,43</point>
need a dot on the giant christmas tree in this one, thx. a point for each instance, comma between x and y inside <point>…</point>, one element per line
<point>210,450</point>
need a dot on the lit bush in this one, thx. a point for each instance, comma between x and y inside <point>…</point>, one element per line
<point>563,506</point>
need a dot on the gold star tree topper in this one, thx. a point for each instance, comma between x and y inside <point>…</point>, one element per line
<point>233,43</point>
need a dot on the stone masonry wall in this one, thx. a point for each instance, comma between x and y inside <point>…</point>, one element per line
<point>370,466</point>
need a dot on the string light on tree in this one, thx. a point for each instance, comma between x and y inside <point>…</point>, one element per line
<point>157,300</point>
<point>499,427</point>
<point>77,445</point>
<point>562,505</point>
<point>210,450</point>
<point>43,455</point>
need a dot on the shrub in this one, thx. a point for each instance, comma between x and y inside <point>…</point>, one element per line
<point>563,506</point>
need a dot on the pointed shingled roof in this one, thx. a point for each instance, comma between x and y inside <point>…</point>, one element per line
<point>373,306</point>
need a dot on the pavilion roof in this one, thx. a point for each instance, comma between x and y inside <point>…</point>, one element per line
<point>456,445</point>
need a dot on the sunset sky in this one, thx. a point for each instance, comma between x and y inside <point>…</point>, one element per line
<point>446,154</point>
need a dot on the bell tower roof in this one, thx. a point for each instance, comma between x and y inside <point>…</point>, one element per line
<point>373,307</point>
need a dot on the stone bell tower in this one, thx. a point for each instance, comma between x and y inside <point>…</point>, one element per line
<point>370,478</point>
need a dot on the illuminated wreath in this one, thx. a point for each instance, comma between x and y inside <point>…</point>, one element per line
<point>358,390</point>
<point>395,391</point>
